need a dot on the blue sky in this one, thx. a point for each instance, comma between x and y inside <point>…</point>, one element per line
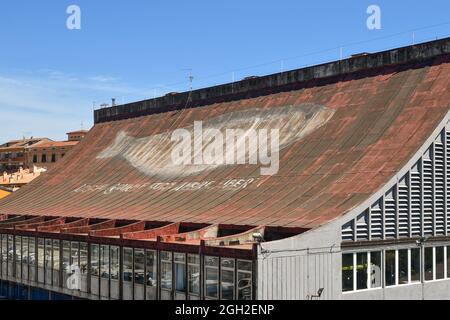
<point>50,76</point>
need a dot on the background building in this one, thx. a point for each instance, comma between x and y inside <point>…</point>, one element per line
<point>77,135</point>
<point>45,154</point>
<point>22,161</point>
<point>13,153</point>
<point>359,208</point>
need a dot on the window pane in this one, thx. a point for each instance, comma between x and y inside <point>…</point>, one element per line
<point>104,262</point>
<point>227,284</point>
<point>390,268</point>
<point>194,273</point>
<point>375,269</point>
<point>403,266</point>
<point>448,262</point>
<point>75,261</point>
<point>245,265</point>
<point>95,268</point>
<point>415,265</point>
<point>66,257</point>
<point>41,253</point>
<point>440,267</point>
<point>180,272</point>
<point>25,251</point>
<point>127,265</point>
<point>83,257</point>
<point>245,285</point>
<point>18,253</point>
<point>32,251</point>
<point>115,263</point>
<point>429,264</point>
<point>48,254</point>
<point>151,268</point>
<point>212,277</point>
<point>361,268</point>
<point>347,272</point>
<point>56,252</point>
<point>4,248</point>
<point>166,270</point>
<point>139,261</point>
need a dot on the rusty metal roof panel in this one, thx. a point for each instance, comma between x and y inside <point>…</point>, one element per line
<point>342,139</point>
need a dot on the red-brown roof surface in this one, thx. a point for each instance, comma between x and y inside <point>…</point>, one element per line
<point>54,144</point>
<point>371,124</point>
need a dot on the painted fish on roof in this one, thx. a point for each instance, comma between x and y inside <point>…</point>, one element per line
<point>235,138</point>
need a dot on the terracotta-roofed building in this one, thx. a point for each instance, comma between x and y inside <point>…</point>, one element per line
<point>46,153</point>
<point>358,209</point>
<point>13,153</point>
<point>77,135</point>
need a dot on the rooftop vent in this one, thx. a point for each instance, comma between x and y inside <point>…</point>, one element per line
<point>358,55</point>
<point>251,78</point>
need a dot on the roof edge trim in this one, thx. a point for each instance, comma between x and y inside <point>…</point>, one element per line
<point>268,84</point>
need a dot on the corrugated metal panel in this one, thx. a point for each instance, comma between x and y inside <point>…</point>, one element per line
<point>298,276</point>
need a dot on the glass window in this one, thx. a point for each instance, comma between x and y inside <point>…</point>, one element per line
<point>41,253</point>
<point>18,256</point>
<point>115,263</point>
<point>56,252</point>
<point>95,267</point>
<point>227,286</point>
<point>32,251</point>
<point>244,280</point>
<point>166,270</point>
<point>151,268</point>
<point>448,262</point>
<point>104,262</point>
<point>390,268</point>
<point>127,264</point>
<point>361,271</point>
<point>415,265</point>
<point>429,264</point>
<point>11,254</point>
<point>83,257</point>
<point>25,253</point>
<point>180,272</point>
<point>66,257</point>
<point>440,265</point>
<point>75,254</point>
<point>403,267</point>
<point>4,247</point>
<point>212,277</point>
<point>194,273</point>
<point>48,254</point>
<point>139,262</point>
<point>347,272</point>
<point>375,269</point>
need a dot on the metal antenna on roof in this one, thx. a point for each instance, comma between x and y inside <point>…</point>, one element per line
<point>191,78</point>
<point>191,87</point>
